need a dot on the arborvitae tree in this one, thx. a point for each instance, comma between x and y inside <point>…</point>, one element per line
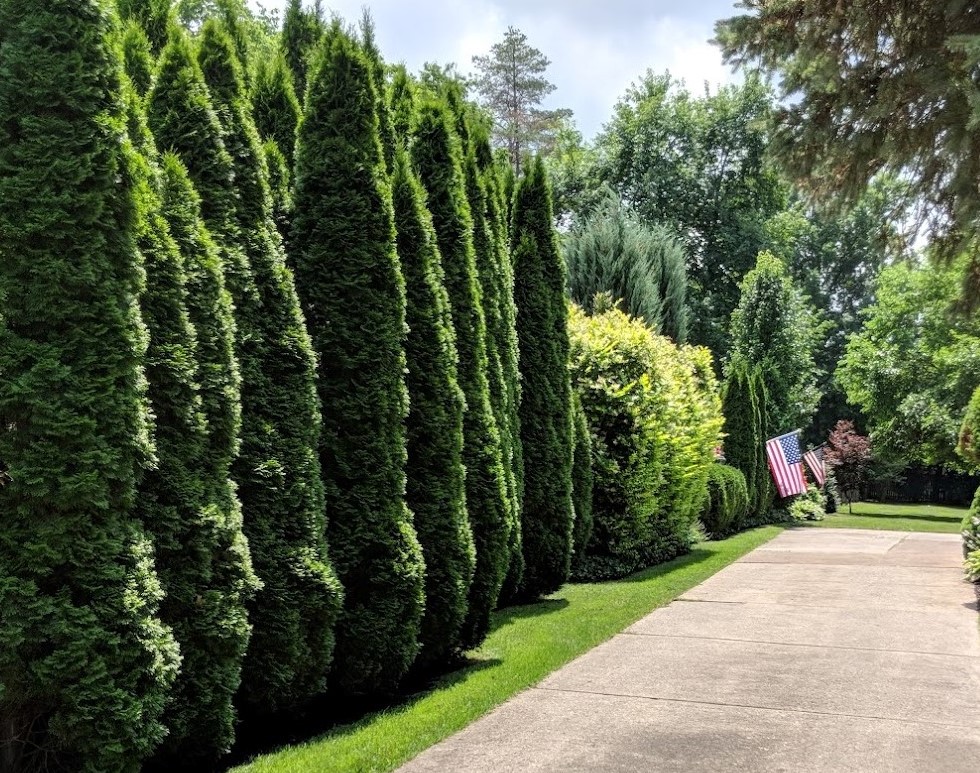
<point>137,57</point>
<point>401,103</point>
<point>185,502</point>
<point>436,477</point>
<point>581,481</point>
<point>280,184</point>
<point>385,127</point>
<point>546,425</point>
<point>438,160</point>
<point>765,488</point>
<point>743,427</point>
<point>276,106</point>
<point>86,665</point>
<point>301,30</point>
<point>278,471</point>
<point>353,292</point>
<point>154,16</point>
<point>504,335</point>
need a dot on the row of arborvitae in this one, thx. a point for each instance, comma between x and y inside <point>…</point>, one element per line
<point>244,475</point>
<point>969,448</point>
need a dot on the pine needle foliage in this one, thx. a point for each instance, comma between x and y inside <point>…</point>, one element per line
<point>86,665</point>
<point>438,159</point>
<point>186,502</point>
<point>353,292</point>
<point>545,413</point>
<point>278,471</point>
<point>276,106</point>
<point>436,490</point>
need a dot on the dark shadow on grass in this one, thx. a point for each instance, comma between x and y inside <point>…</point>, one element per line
<point>950,519</point>
<point>331,716</point>
<point>696,555</point>
<point>508,615</point>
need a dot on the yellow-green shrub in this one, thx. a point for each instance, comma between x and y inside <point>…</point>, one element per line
<point>655,418</point>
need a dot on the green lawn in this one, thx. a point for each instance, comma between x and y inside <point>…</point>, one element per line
<point>871,515</point>
<point>527,644</point>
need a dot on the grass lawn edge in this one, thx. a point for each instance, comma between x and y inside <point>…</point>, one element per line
<point>526,645</point>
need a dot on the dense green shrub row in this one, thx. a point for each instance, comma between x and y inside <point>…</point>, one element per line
<point>196,436</point>
<point>969,448</point>
<point>655,418</point>
<point>728,501</point>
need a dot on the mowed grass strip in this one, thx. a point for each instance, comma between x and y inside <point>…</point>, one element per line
<point>873,515</point>
<point>527,644</point>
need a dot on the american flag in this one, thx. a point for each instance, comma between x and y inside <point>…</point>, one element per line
<point>786,464</point>
<point>814,460</point>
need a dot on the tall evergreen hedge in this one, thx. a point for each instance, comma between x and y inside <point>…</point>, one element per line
<point>278,471</point>
<point>301,32</point>
<point>436,490</point>
<point>582,481</point>
<point>545,412</point>
<point>137,57</point>
<point>969,449</point>
<point>86,665</point>
<point>744,444</point>
<point>438,159</point>
<point>347,270</point>
<point>503,333</point>
<point>187,502</point>
<point>276,106</point>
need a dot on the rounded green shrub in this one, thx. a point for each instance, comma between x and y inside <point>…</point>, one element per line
<point>727,502</point>
<point>353,293</point>
<point>86,664</point>
<point>655,418</point>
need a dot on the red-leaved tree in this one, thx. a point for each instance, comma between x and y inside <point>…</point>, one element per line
<point>848,454</point>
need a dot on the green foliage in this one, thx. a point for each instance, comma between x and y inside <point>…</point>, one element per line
<point>744,441</point>
<point>969,444</point>
<point>353,293</point>
<point>581,481</point>
<point>699,165</point>
<point>545,411</point>
<point>808,506</point>
<point>969,448</point>
<point>137,57</point>
<point>917,59</point>
<point>727,503</point>
<point>187,501</point>
<point>86,664</point>
<point>277,470</point>
<point>401,103</point>
<point>276,106</point>
<point>301,33</point>
<point>655,419</point>
<point>642,267</point>
<point>280,186</point>
<point>436,491</point>
<point>437,157</point>
<point>372,53</point>
<point>775,330</point>
<point>154,16</point>
<point>512,84</point>
<point>914,365</point>
<point>973,566</point>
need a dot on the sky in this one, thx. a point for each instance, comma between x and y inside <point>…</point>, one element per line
<point>597,49</point>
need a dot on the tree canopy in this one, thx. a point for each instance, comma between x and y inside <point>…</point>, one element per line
<point>868,86</point>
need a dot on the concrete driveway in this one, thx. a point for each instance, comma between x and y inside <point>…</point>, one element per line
<point>823,650</point>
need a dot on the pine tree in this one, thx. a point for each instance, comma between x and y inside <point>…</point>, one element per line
<point>436,491</point>
<point>278,472</point>
<point>276,106</point>
<point>186,503</point>
<point>137,57</point>
<point>86,664</point>
<point>437,157</point>
<point>347,270</point>
<point>301,30</point>
<point>546,425</point>
<point>743,427</point>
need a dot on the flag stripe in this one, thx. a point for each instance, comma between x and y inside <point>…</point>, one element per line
<point>814,460</point>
